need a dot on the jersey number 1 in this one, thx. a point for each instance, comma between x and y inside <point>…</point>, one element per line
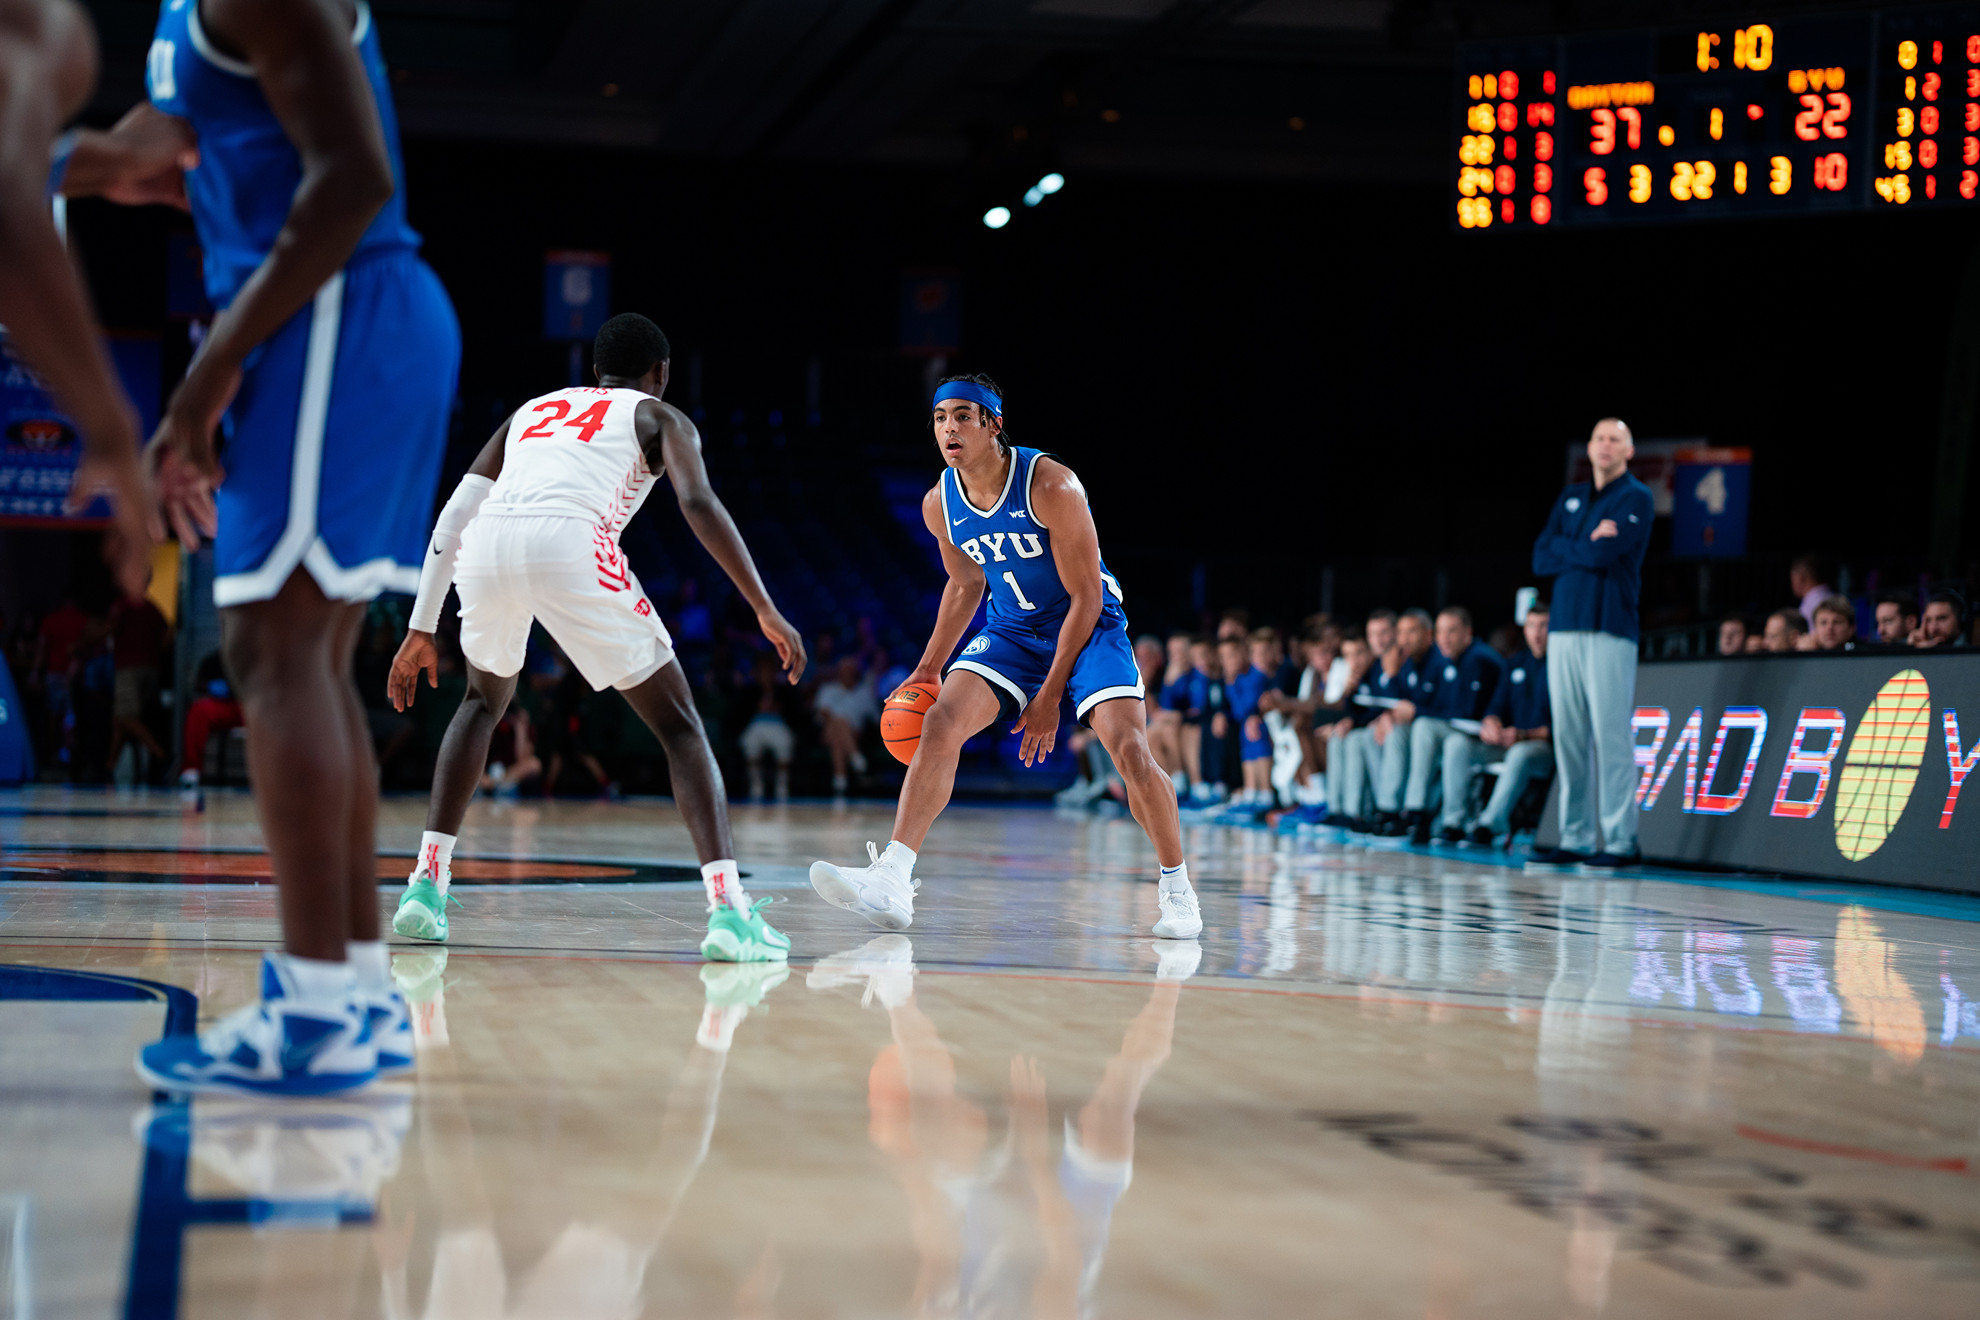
<point>1017,591</point>
<point>587,423</point>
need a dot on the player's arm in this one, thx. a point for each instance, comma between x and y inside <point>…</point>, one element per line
<point>47,59</point>
<point>141,161</point>
<point>961,594</point>
<point>666,433</point>
<point>310,72</point>
<point>1060,504</point>
<point>417,653</point>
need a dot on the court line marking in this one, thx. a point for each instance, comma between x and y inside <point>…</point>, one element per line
<point>1948,1164</point>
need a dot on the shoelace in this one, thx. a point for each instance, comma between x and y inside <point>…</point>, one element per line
<point>1183,899</point>
<point>873,856</point>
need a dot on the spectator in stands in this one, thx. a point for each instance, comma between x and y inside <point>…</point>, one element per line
<point>1415,631</point>
<point>139,637</point>
<point>769,736</point>
<point>1809,578</point>
<point>1247,659</point>
<point>1234,623</point>
<point>1515,730</point>
<point>693,625</point>
<point>1835,626</point>
<point>1165,724</point>
<point>214,709</point>
<point>62,631</point>
<point>1352,752</point>
<point>512,758</point>
<point>1944,621</point>
<point>1593,546</point>
<point>1897,619</point>
<point>845,706</point>
<point>1302,709</point>
<point>1201,767</point>
<point>1458,686</point>
<point>1733,632</point>
<point>1785,629</point>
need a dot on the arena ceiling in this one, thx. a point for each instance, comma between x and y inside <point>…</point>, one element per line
<point>1340,89</point>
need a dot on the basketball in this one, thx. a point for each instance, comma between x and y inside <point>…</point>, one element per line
<point>901,716</point>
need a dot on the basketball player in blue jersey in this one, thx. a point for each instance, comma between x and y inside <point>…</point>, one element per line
<point>330,367</point>
<point>1016,521</point>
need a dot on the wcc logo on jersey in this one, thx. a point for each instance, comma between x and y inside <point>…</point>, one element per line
<point>990,548</point>
<point>1811,771</point>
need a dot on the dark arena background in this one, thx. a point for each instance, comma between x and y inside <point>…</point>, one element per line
<point>1321,300</point>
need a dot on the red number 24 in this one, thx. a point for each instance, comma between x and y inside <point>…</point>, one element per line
<point>587,423</point>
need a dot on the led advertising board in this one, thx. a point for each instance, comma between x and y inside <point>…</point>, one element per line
<point>1848,767</point>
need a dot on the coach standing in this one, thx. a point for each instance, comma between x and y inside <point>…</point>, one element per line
<point>1593,547</point>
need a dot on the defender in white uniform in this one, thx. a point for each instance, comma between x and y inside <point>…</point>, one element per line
<point>532,533</point>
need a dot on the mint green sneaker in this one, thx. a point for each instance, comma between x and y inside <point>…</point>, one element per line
<point>422,913</point>
<point>735,936</point>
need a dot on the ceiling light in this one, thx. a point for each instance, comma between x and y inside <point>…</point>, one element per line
<point>1051,183</point>
<point>996,217</point>
<point>1033,197</point>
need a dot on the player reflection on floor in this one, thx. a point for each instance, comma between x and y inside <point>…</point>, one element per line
<point>1002,1230</point>
<point>595,1269</point>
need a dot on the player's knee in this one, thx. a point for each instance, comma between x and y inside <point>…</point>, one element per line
<point>943,725</point>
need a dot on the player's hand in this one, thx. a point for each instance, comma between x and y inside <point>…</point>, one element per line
<point>1607,527</point>
<point>931,676</point>
<point>417,654</point>
<point>1402,712</point>
<point>1040,726</point>
<point>1492,733</point>
<point>150,153</point>
<point>1254,728</point>
<point>112,470</point>
<point>790,646</point>
<point>181,457</point>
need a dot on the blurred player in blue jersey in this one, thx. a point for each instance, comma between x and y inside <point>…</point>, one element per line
<point>1015,521</point>
<point>330,369</point>
<point>47,69</point>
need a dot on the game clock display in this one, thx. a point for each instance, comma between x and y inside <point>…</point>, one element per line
<point>1763,116</point>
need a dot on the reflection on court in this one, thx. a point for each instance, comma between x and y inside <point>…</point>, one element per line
<point>1383,1084</point>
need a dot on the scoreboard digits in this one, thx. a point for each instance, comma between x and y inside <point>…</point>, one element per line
<point>1767,117</point>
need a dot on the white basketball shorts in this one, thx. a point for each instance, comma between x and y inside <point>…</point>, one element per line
<point>571,575</point>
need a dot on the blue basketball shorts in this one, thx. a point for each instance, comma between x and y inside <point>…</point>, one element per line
<point>1014,659</point>
<point>333,445</point>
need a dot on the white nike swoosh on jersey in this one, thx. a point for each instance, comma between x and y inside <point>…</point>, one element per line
<point>961,521</point>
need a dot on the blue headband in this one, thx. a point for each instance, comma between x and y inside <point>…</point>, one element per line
<point>962,389</point>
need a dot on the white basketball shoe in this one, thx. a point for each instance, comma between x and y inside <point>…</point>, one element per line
<point>1180,919</point>
<point>883,892</point>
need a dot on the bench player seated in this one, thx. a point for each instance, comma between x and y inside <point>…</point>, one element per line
<point>1015,521</point>
<point>532,535</point>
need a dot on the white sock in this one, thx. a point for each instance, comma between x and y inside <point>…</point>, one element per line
<point>723,881</point>
<point>436,855</point>
<point>317,983</point>
<point>901,854</point>
<point>371,965</point>
<point>1175,879</point>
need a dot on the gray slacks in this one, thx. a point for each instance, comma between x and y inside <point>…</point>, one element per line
<point>1591,678</point>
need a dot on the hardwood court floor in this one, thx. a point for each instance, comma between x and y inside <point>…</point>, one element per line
<point>1398,1085</point>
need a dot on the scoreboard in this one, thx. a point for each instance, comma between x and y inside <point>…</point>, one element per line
<point>1762,116</point>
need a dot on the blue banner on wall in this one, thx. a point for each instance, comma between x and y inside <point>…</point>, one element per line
<point>577,293</point>
<point>1709,494</point>
<point>39,447</point>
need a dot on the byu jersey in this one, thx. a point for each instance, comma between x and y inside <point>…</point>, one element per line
<point>574,453</point>
<point>1014,548</point>
<point>248,171</point>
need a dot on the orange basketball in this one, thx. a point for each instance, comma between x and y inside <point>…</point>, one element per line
<point>901,716</point>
